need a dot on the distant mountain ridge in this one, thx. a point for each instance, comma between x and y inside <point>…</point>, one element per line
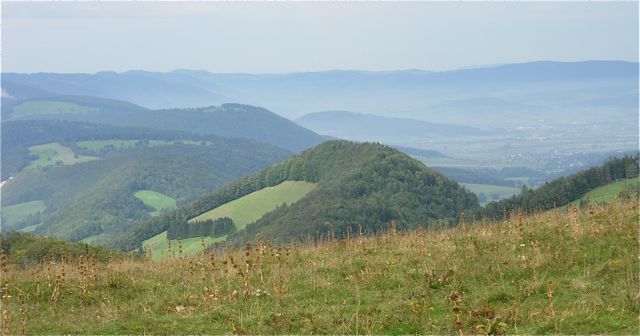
<point>555,89</point>
<point>228,120</point>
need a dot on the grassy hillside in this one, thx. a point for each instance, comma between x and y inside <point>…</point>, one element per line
<point>247,209</point>
<point>242,211</point>
<point>556,272</point>
<point>156,200</point>
<point>13,214</point>
<point>565,190</point>
<point>53,154</point>
<point>97,197</point>
<point>94,200</point>
<point>608,193</point>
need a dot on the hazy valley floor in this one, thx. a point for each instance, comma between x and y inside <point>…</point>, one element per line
<point>570,272</point>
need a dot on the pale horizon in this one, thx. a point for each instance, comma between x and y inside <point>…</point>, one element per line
<point>276,38</point>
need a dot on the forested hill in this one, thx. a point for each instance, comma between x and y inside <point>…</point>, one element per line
<point>564,190</point>
<point>90,181</point>
<point>356,184</point>
<point>19,135</point>
<point>228,120</point>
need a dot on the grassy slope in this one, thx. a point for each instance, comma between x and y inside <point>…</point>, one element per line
<point>156,200</point>
<point>391,284</point>
<point>14,213</point>
<point>31,108</point>
<point>607,193</point>
<point>49,154</point>
<point>249,208</point>
<point>242,211</point>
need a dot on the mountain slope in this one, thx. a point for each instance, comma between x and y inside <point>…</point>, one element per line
<point>99,197</point>
<point>564,190</point>
<point>228,120</point>
<point>367,184</point>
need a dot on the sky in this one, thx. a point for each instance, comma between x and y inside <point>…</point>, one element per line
<point>292,37</point>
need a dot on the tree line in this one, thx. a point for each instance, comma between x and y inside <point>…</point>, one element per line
<point>215,228</point>
<point>563,190</point>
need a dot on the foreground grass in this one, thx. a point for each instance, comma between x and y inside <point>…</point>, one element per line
<point>570,272</point>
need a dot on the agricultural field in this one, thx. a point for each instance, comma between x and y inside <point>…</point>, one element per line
<point>242,211</point>
<point>156,200</point>
<point>34,108</point>
<point>117,144</point>
<point>491,192</point>
<point>249,208</point>
<point>54,153</point>
<point>13,214</point>
<point>539,274</point>
<point>99,145</point>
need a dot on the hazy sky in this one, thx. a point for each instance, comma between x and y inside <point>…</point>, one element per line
<point>288,37</point>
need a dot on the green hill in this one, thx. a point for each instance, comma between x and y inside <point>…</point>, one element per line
<point>247,209</point>
<point>227,120</point>
<point>13,214</point>
<point>244,210</point>
<point>96,200</point>
<point>607,193</point>
<point>565,190</point>
<point>355,184</point>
